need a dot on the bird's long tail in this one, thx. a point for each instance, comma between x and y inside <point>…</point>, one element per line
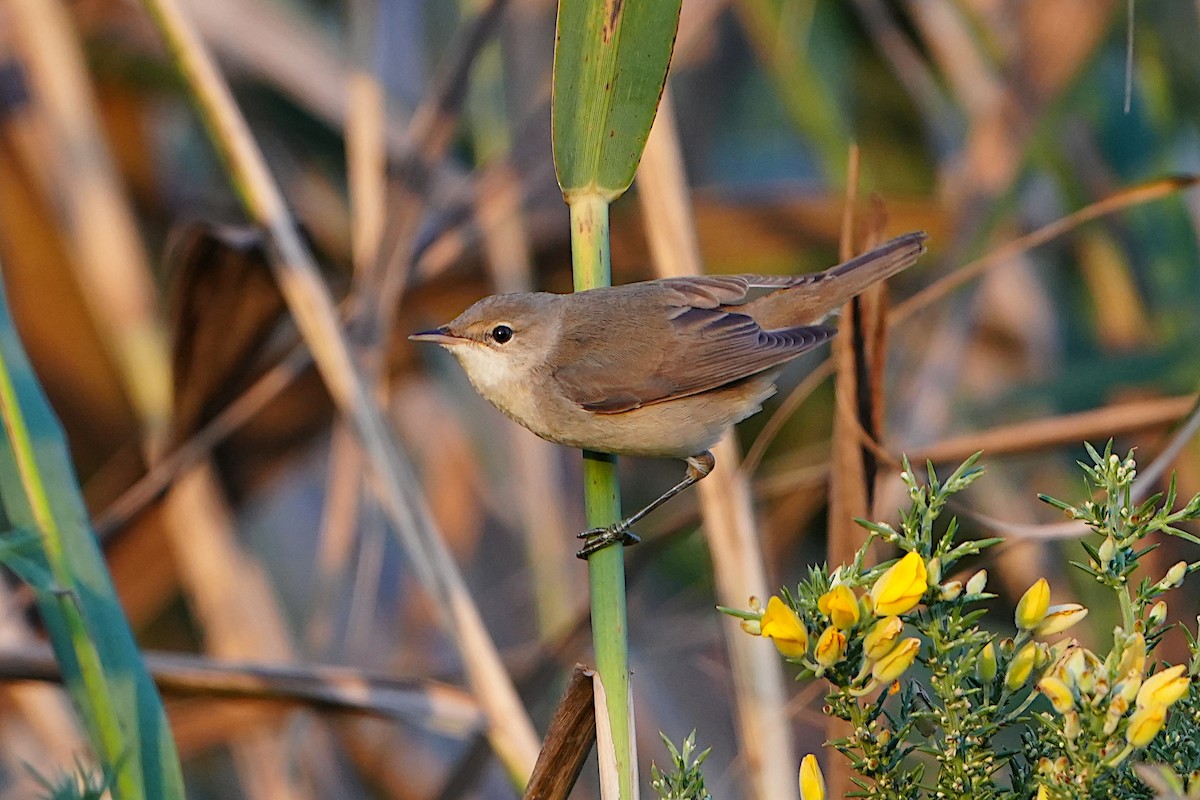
<point>816,296</point>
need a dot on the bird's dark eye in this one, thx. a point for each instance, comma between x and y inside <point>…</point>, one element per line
<point>501,334</point>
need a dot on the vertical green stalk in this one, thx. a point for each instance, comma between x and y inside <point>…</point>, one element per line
<point>602,498</point>
<point>610,65</point>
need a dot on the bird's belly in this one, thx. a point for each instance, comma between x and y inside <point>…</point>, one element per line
<point>672,429</point>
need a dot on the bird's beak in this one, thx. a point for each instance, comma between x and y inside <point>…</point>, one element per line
<point>440,335</point>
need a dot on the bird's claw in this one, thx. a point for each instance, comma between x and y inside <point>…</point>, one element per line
<point>595,539</point>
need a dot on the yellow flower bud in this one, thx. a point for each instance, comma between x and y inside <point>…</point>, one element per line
<point>1114,715</point>
<point>831,646</point>
<point>782,626</point>
<point>1058,693</point>
<point>1071,726</point>
<point>1126,690</point>
<point>901,587</point>
<point>1175,575</point>
<point>1164,688</point>
<point>1158,613</point>
<point>1133,657</point>
<point>950,590</point>
<point>1042,656</point>
<point>1058,618</point>
<point>894,664</point>
<point>1020,667</point>
<point>1073,666</point>
<point>1032,607</point>
<point>882,637</point>
<point>933,571</point>
<point>1145,724</point>
<point>1099,688</point>
<point>1106,551</point>
<point>840,605</point>
<point>977,583</point>
<point>985,667</point>
<point>812,782</point>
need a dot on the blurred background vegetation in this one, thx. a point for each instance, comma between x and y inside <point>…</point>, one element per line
<point>979,121</point>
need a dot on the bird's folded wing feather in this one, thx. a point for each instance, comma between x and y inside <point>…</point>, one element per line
<point>676,350</point>
<point>714,291</point>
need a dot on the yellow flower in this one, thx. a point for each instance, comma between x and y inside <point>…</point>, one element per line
<point>894,664</point>
<point>831,646</point>
<point>882,637</point>
<point>1163,688</point>
<point>782,626</point>
<point>1032,607</point>
<point>1058,693</point>
<point>1058,618</point>
<point>1020,667</point>
<point>840,605</point>
<point>901,587</point>
<point>812,782</point>
<point>1145,724</point>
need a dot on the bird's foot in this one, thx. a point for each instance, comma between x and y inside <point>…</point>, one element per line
<point>595,539</point>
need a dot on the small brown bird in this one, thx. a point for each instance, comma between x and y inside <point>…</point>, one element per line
<point>659,368</point>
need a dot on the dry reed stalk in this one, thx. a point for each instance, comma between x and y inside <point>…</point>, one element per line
<point>366,170</point>
<point>336,539</point>
<point>116,280</point>
<point>569,740</point>
<point>533,463</point>
<point>850,475</point>
<point>441,707</point>
<point>282,48</point>
<point>430,133</point>
<point>366,150</point>
<point>1063,429</point>
<point>1123,199</point>
<point>511,732</point>
<point>95,213</point>
<point>235,606</point>
<point>725,501</point>
<point>848,478</point>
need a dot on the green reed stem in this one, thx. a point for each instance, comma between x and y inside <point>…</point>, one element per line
<point>606,568</point>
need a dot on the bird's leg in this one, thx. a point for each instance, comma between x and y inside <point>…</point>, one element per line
<point>598,538</point>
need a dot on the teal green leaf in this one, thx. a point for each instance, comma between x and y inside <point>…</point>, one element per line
<point>49,541</point>
<point>610,64</point>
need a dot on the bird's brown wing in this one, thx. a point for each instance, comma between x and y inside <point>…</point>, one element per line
<point>660,340</point>
<point>667,344</point>
<point>714,291</point>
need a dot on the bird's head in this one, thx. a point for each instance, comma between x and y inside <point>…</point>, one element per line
<point>501,339</point>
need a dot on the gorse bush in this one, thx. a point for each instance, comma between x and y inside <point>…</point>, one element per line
<point>942,707</point>
<point>684,780</point>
